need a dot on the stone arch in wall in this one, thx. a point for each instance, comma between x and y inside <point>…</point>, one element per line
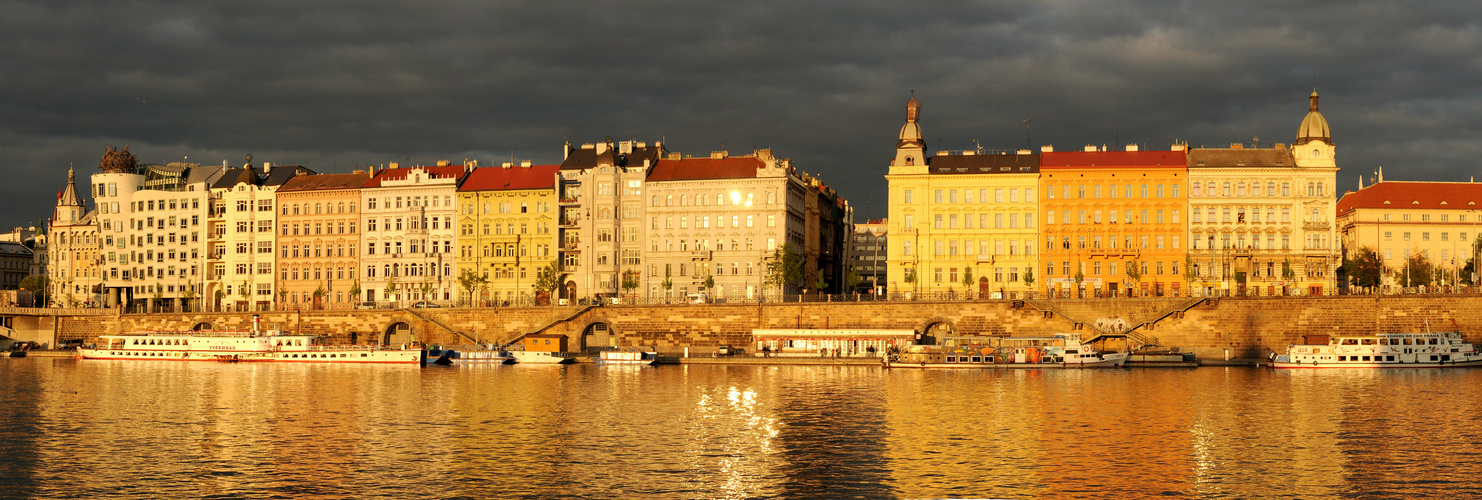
<point>201,327</point>
<point>396,332</point>
<point>933,329</point>
<point>597,332</point>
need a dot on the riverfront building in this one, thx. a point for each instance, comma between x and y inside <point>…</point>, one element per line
<point>240,232</point>
<point>153,232</point>
<point>868,256</point>
<point>717,219</point>
<point>1436,221</point>
<point>601,215</point>
<point>318,241</point>
<point>1114,221</point>
<point>506,232</point>
<point>409,235</point>
<point>75,248</point>
<point>963,221</point>
<point>1261,218</point>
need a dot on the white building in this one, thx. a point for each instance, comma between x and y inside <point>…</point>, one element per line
<point>241,236</point>
<point>409,233</point>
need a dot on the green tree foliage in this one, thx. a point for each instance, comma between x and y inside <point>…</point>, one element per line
<point>548,278</point>
<point>785,267</point>
<point>967,276</point>
<point>1418,271</point>
<point>1365,269</point>
<point>38,285</point>
<point>469,281</point>
<point>1029,277</point>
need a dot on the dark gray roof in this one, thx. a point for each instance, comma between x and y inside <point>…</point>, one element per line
<point>983,164</point>
<point>1252,157</point>
<point>588,158</point>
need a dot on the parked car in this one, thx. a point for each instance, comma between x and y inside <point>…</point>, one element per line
<point>365,305</point>
<point>425,305</point>
<point>728,350</point>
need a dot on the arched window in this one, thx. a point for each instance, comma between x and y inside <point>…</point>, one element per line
<point>295,210</point>
<point>655,201</point>
<point>318,209</point>
<point>341,208</point>
<point>669,200</point>
<point>684,199</point>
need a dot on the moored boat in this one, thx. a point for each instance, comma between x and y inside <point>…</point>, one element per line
<point>1056,351</point>
<point>255,346</point>
<point>540,357</point>
<point>628,356</point>
<point>1383,350</point>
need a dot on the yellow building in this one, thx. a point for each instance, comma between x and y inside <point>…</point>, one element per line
<point>1437,221</point>
<point>506,230</point>
<point>318,238</point>
<point>960,222</point>
<point>1114,221</point>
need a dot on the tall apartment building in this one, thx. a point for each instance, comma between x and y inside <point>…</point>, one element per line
<point>1437,221</point>
<point>506,230</point>
<point>601,202</point>
<point>960,222</point>
<point>318,240</point>
<point>1111,212</point>
<point>719,219</point>
<point>153,232</point>
<point>241,229</point>
<point>75,249</point>
<point>409,234</point>
<point>869,255</point>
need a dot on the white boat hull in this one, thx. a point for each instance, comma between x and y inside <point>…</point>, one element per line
<point>355,356</point>
<point>1109,360</point>
<point>539,357</point>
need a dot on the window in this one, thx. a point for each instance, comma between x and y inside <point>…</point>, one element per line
<point>906,194</point>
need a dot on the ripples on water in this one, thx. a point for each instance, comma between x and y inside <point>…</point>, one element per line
<point>161,429</point>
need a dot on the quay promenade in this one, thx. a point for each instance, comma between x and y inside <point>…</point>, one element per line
<point>1226,328</point>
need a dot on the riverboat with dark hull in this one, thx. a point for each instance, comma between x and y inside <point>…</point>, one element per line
<point>1057,351</point>
<point>245,346</point>
<point>1384,350</point>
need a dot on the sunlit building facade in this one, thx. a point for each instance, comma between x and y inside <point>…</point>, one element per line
<point>409,234</point>
<point>319,241</point>
<point>506,231</point>
<point>1435,221</point>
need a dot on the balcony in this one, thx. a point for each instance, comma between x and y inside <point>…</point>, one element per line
<point>570,222</point>
<point>571,246</point>
<point>1315,226</point>
<point>700,255</point>
<point>574,200</point>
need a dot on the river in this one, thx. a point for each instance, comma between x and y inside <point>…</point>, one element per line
<point>98,429</point>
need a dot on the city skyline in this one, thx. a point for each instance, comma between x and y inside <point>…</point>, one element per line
<point>312,86</point>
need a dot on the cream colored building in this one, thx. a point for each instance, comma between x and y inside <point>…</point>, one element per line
<point>409,234</point>
<point>601,207</point>
<point>1438,221</point>
<point>241,236</point>
<point>960,222</point>
<point>1256,211</point>
<point>74,248</point>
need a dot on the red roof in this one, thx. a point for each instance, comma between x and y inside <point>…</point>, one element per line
<point>514,177</point>
<point>734,167</point>
<point>324,182</point>
<point>1431,195</point>
<point>1112,159</point>
<point>398,174</point>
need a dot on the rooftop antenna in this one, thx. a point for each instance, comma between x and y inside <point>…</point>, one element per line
<point>979,147</point>
<point>1028,139</point>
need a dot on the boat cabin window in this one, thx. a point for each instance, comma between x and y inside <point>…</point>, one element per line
<point>1433,342</point>
<point>1368,341</point>
<point>1350,341</point>
<point>1408,342</point>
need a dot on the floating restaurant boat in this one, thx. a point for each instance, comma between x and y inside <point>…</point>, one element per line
<point>628,356</point>
<point>1384,350</point>
<point>255,346</point>
<point>1057,351</point>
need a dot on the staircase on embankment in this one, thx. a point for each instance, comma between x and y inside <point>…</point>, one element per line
<point>1113,318</point>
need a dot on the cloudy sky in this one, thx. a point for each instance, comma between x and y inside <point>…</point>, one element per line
<point>332,85</point>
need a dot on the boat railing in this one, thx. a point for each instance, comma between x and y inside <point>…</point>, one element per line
<point>350,348</point>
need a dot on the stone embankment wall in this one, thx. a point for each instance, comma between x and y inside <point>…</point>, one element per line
<point>1248,327</point>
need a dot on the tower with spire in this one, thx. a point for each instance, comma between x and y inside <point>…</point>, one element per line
<point>1314,145</point>
<point>910,149</point>
<point>70,208</point>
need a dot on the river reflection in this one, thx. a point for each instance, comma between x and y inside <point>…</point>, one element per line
<point>167,429</point>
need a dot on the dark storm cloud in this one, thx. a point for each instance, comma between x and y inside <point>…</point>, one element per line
<point>336,84</point>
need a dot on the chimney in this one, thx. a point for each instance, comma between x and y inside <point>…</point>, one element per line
<point>506,165</point>
<point>1237,145</point>
<point>525,164</point>
<point>395,165</point>
<point>1091,148</point>
<point>267,167</point>
<point>1177,147</point>
<point>444,163</point>
<point>1047,149</point>
<point>1132,147</point>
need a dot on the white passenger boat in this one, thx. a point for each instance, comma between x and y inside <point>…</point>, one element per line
<point>491,357</point>
<point>1056,351</point>
<point>540,357</point>
<point>270,346</point>
<point>628,356</point>
<point>1384,350</point>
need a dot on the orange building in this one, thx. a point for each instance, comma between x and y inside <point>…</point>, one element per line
<point>1113,222</point>
<point>545,342</point>
<point>317,240</point>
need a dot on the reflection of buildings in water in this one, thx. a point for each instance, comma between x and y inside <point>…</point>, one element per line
<point>831,432</point>
<point>964,433</point>
<point>1294,431</point>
